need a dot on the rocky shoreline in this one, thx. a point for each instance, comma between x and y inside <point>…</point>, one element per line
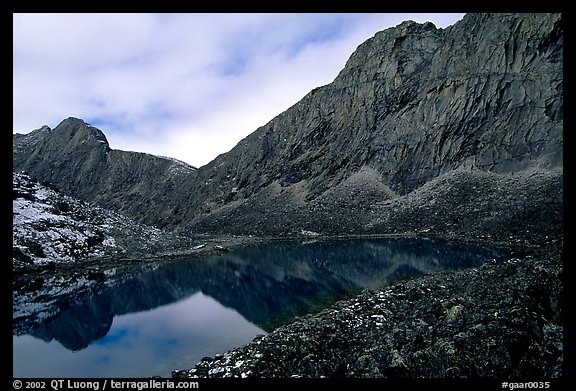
<point>499,320</point>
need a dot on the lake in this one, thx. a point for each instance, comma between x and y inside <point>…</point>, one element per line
<point>172,314</point>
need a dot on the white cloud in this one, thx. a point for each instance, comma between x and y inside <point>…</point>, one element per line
<point>189,86</point>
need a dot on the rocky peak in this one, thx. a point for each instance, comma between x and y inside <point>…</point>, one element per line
<point>73,131</point>
<point>22,142</point>
<point>77,158</point>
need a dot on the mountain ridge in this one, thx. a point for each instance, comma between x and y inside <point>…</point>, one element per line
<point>411,104</point>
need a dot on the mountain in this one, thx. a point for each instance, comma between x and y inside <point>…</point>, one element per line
<point>76,158</point>
<point>459,117</point>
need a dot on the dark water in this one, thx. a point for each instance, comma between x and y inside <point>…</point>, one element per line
<point>172,315</point>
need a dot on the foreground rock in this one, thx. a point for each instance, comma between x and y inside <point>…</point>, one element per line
<point>501,320</point>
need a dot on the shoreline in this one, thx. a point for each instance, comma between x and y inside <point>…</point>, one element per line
<point>501,319</point>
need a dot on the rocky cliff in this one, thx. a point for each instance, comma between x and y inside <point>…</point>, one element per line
<point>413,105</point>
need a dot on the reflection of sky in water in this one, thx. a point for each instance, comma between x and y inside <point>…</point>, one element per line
<point>141,344</point>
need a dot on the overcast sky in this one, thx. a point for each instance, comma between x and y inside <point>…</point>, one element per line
<point>187,86</point>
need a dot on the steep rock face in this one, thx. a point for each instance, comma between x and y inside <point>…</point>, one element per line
<point>412,103</point>
<point>489,96</point>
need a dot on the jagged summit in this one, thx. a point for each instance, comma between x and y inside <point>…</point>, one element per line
<point>71,130</point>
<point>77,128</point>
<point>413,104</point>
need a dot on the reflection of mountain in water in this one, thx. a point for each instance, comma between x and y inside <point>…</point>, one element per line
<point>267,284</point>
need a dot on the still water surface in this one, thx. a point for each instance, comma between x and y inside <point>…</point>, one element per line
<point>154,321</point>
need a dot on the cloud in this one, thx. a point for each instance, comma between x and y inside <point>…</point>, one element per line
<point>188,86</point>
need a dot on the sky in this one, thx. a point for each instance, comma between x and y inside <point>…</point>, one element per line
<point>186,86</point>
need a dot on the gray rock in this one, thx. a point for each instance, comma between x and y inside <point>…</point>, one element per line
<point>412,103</point>
<point>77,159</point>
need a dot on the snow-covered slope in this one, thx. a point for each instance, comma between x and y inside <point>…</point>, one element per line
<point>51,227</point>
